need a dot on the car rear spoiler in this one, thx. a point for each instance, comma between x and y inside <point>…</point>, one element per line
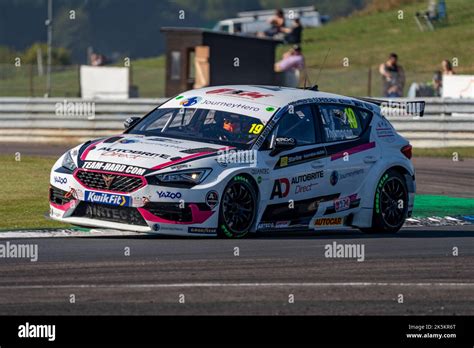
<point>398,108</point>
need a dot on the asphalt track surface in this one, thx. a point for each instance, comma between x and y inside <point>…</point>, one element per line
<point>417,263</point>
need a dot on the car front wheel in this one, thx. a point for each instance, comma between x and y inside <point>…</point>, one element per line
<point>238,208</point>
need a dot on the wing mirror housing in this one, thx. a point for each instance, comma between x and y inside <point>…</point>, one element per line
<point>283,144</point>
<point>131,121</point>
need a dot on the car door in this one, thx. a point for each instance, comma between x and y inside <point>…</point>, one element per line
<point>351,154</point>
<point>291,196</point>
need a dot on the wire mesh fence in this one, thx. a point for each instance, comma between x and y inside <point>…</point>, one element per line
<point>149,82</point>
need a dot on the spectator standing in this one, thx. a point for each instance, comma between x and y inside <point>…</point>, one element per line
<point>447,67</point>
<point>293,34</point>
<point>292,59</point>
<point>393,77</point>
<point>277,22</point>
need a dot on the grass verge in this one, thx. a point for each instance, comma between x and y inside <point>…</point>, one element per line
<point>444,152</point>
<point>24,198</point>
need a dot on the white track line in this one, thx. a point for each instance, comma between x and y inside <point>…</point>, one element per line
<point>229,285</point>
<point>64,233</point>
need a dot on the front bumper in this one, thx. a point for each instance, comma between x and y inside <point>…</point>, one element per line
<point>150,209</point>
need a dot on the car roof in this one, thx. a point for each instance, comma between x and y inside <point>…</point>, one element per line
<point>256,101</point>
<point>278,96</point>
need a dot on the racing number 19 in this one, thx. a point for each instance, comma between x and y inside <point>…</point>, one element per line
<point>256,128</point>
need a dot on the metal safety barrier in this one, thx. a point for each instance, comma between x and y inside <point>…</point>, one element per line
<point>447,122</point>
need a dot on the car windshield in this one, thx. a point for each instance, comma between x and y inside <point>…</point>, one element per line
<point>213,126</point>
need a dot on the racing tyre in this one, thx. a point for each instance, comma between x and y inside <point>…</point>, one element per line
<point>238,208</point>
<point>390,204</point>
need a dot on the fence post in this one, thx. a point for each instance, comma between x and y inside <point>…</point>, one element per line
<point>369,82</point>
<point>32,89</point>
<point>79,80</point>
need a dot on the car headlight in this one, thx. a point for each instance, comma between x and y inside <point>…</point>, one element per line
<point>68,162</point>
<point>185,177</point>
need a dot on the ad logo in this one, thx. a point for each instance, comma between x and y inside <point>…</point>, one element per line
<point>108,179</point>
<point>60,180</point>
<point>281,188</point>
<point>167,194</point>
<point>190,101</point>
<point>212,199</point>
<point>328,221</point>
<point>107,198</point>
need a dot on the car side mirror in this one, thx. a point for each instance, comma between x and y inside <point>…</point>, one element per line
<point>283,144</point>
<point>131,121</point>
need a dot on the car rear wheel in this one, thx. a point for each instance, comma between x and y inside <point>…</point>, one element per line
<point>390,204</point>
<point>238,208</point>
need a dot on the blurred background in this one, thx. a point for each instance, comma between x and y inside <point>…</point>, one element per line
<point>343,42</point>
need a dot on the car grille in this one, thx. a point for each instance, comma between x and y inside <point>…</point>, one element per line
<point>58,196</point>
<point>117,183</point>
<point>125,215</point>
<point>173,211</point>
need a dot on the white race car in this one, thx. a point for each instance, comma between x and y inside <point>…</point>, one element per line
<point>231,160</point>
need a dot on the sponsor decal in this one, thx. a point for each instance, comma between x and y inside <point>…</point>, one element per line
<point>60,180</point>
<point>304,188</point>
<point>231,105</point>
<point>339,134</point>
<point>259,180</point>
<point>107,198</point>
<point>113,167</point>
<point>180,166</point>
<point>190,101</point>
<point>129,216</point>
<point>202,230</point>
<point>307,177</point>
<point>281,188</point>
<point>168,194</point>
<point>265,225</point>
<point>282,224</point>
<point>156,227</point>
<point>273,225</point>
<point>351,174</point>
<point>328,221</point>
<point>74,193</point>
<point>212,199</point>
<point>342,204</point>
<point>132,154</point>
<point>334,178</point>
<point>300,157</point>
<point>239,93</point>
<point>260,171</point>
<point>286,141</point>
<point>141,201</point>
<point>385,131</point>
